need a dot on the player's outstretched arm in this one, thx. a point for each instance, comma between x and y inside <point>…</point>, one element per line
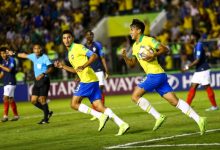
<point>105,67</point>
<point>188,66</point>
<point>131,62</point>
<point>12,53</point>
<point>60,65</point>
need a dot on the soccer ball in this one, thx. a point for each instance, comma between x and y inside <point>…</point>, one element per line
<point>145,51</point>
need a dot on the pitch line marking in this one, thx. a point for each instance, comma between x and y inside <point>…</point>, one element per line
<point>174,145</point>
<point>157,139</point>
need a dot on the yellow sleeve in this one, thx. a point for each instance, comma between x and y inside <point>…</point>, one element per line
<point>152,42</point>
<point>82,50</point>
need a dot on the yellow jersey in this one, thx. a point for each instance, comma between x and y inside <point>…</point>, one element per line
<point>152,67</point>
<point>77,57</point>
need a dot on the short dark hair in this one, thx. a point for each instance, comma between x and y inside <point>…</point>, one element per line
<point>67,32</point>
<point>3,49</point>
<point>138,24</point>
<point>196,35</point>
<point>89,31</point>
<point>37,43</point>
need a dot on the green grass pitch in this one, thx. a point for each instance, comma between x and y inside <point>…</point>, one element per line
<point>69,129</point>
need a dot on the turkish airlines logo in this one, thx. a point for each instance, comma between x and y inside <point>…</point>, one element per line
<point>173,81</point>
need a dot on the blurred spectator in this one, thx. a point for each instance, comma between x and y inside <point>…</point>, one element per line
<point>169,62</point>
<point>67,5</point>
<point>10,34</point>
<point>121,7</point>
<point>187,24</point>
<point>121,65</point>
<point>78,16</point>
<point>20,76</point>
<point>147,27</point>
<point>128,6</point>
<point>175,31</point>
<point>78,31</point>
<point>175,48</point>
<point>26,21</point>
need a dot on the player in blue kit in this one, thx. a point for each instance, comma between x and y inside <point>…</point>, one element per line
<point>99,66</point>
<point>8,71</point>
<point>42,67</point>
<point>202,73</point>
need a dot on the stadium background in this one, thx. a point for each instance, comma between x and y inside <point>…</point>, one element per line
<point>23,22</point>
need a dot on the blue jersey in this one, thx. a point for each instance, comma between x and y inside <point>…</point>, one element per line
<point>199,53</point>
<point>40,63</point>
<point>96,47</point>
<point>9,77</point>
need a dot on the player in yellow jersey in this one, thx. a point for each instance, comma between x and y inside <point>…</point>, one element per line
<point>80,58</point>
<point>156,78</point>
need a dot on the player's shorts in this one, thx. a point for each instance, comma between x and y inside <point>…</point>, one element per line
<point>101,77</point>
<point>41,87</point>
<point>9,90</point>
<point>90,90</point>
<point>157,82</point>
<point>202,77</point>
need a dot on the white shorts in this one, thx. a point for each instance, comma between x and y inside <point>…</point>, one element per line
<point>202,78</point>
<point>9,90</point>
<point>101,77</point>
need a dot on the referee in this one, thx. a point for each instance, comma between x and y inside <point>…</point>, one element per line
<point>42,67</point>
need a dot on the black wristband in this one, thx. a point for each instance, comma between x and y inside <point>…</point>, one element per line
<point>44,74</point>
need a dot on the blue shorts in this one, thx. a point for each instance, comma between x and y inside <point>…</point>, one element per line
<point>157,82</point>
<point>89,90</point>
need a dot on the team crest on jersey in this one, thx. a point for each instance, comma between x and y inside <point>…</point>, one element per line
<point>94,49</point>
<point>72,56</point>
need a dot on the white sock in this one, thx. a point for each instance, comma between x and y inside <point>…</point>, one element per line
<point>112,115</point>
<point>146,106</point>
<point>87,110</point>
<point>186,109</point>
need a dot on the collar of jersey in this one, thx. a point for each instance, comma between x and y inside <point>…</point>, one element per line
<point>71,46</point>
<point>141,37</point>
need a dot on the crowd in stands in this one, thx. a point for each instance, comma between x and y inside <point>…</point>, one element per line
<point>24,22</point>
<point>185,18</point>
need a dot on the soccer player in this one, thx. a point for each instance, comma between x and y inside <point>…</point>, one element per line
<point>202,73</point>
<point>99,66</point>
<point>42,67</point>
<point>8,71</point>
<point>80,58</point>
<point>156,78</point>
